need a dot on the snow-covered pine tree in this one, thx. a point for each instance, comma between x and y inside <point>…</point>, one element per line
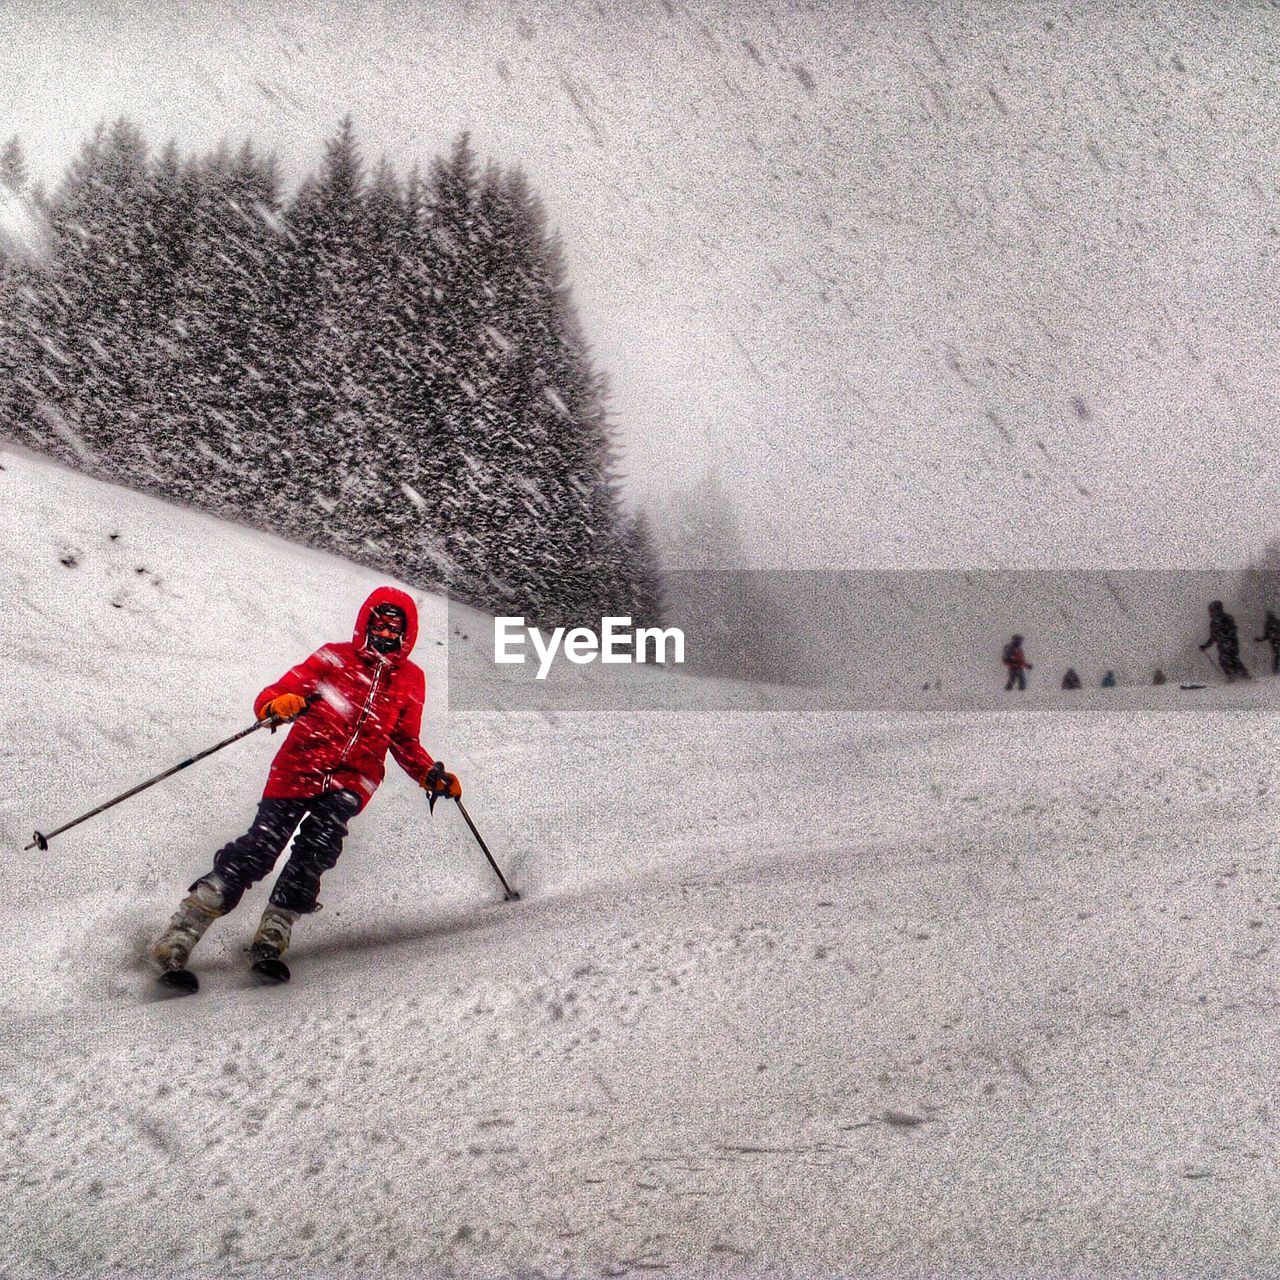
<point>161,450</point>
<point>101,311</point>
<point>333,455</point>
<point>556,521</point>
<point>13,309</point>
<point>81,335</point>
<point>640,577</point>
<point>226,394</point>
<point>462,427</point>
<point>412,490</point>
<point>29,302</point>
<point>509,516</point>
<point>14,174</point>
<point>381,507</point>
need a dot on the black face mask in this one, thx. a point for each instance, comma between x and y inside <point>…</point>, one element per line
<point>385,643</point>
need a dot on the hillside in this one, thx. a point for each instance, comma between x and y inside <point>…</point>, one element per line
<point>793,992</point>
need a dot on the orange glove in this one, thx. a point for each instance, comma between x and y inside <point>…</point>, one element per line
<point>439,785</point>
<point>285,707</point>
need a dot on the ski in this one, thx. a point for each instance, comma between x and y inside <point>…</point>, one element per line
<point>270,972</point>
<point>179,982</point>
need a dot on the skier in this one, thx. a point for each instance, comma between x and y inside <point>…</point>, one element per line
<point>1271,634</point>
<point>1223,633</point>
<point>1071,680</point>
<point>1013,658</point>
<point>349,704</point>
<point>1109,680</point>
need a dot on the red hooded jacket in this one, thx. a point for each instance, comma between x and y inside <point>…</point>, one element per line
<point>368,702</point>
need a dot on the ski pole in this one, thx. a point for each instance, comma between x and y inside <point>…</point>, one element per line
<point>41,840</point>
<point>436,773</point>
<point>509,894</point>
<point>1217,668</point>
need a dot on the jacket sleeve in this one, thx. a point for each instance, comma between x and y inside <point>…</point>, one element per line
<point>301,680</point>
<point>406,750</point>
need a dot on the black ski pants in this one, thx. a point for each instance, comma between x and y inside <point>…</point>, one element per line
<point>1019,675</point>
<point>315,850</point>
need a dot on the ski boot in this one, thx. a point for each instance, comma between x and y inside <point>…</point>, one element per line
<point>269,944</point>
<point>172,950</point>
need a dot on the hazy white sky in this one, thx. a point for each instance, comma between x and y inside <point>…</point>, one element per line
<point>933,284</point>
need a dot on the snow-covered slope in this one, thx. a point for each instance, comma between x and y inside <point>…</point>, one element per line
<point>789,993</point>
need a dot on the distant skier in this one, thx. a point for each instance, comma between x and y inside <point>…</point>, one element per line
<point>1016,662</point>
<point>1159,677</point>
<point>1223,633</point>
<point>1271,634</point>
<point>1071,680</point>
<point>1109,680</point>
<point>350,703</point>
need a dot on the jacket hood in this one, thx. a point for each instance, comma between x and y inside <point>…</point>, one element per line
<point>402,600</point>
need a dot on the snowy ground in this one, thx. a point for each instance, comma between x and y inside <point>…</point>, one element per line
<point>797,994</point>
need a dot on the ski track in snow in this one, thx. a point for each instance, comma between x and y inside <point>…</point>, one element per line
<point>789,993</point>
